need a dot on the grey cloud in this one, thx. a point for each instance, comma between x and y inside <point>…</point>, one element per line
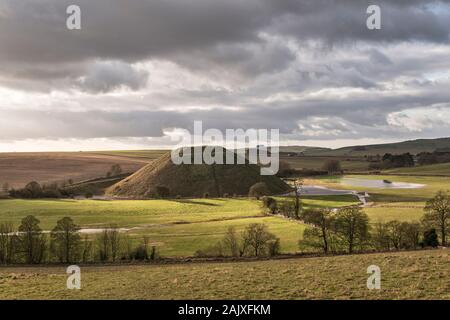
<point>221,32</point>
<point>271,64</point>
<point>108,76</point>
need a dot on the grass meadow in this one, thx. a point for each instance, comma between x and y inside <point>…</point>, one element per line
<point>404,275</point>
<point>176,227</point>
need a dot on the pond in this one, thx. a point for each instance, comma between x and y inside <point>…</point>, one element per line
<point>379,184</point>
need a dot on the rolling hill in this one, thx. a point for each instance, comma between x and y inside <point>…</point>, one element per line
<point>412,146</point>
<point>193,180</point>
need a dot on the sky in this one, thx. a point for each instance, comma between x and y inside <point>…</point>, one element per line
<point>139,71</point>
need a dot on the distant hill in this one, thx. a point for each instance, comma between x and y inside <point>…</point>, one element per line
<point>303,149</point>
<point>193,180</point>
<point>440,169</point>
<point>412,146</point>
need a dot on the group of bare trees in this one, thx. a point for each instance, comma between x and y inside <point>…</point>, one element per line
<point>335,230</point>
<point>115,170</point>
<point>348,229</point>
<point>31,245</point>
<point>255,240</point>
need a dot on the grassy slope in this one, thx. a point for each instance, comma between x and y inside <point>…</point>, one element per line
<point>435,169</point>
<point>317,163</point>
<point>404,275</point>
<point>194,180</point>
<point>413,147</point>
<point>179,228</point>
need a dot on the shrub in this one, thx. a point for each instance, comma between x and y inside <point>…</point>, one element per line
<point>258,190</point>
<point>273,247</point>
<point>256,238</point>
<point>34,189</point>
<point>162,192</point>
<point>287,209</point>
<point>332,166</point>
<point>140,253</point>
<point>430,238</point>
<point>270,204</point>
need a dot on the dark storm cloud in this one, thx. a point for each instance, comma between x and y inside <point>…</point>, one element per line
<point>267,63</point>
<point>350,117</point>
<point>34,31</point>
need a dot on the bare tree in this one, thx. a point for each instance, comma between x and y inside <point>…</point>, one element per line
<point>270,204</point>
<point>66,240</point>
<point>257,237</point>
<point>258,190</point>
<point>298,185</point>
<point>31,240</point>
<point>395,233</point>
<point>381,237</point>
<point>332,166</point>
<point>115,170</point>
<point>323,221</point>
<point>351,225</point>
<point>103,245</point>
<point>87,249</point>
<point>231,242</point>
<point>437,214</point>
<point>6,243</point>
<point>114,240</point>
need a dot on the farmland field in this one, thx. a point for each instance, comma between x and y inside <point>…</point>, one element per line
<point>176,227</point>
<point>441,169</point>
<point>317,162</point>
<point>404,275</point>
<point>17,169</point>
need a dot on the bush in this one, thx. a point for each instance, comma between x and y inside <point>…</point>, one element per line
<point>287,209</point>
<point>34,189</point>
<point>258,190</point>
<point>332,166</point>
<point>115,170</point>
<point>273,247</point>
<point>285,169</point>
<point>430,238</point>
<point>256,240</point>
<point>162,192</point>
<point>270,204</point>
<point>140,253</point>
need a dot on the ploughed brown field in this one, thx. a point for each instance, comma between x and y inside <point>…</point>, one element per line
<point>17,169</point>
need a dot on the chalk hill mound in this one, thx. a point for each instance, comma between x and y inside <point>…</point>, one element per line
<point>193,180</point>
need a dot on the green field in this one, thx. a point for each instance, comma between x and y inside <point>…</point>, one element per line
<point>441,169</point>
<point>317,162</point>
<point>404,275</point>
<point>392,204</point>
<point>176,227</point>
<point>432,185</point>
<point>181,227</point>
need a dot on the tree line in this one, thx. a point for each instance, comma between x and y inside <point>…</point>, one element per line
<point>64,244</point>
<point>254,241</point>
<point>349,229</point>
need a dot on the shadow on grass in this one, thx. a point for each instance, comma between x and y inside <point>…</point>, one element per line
<point>196,202</point>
